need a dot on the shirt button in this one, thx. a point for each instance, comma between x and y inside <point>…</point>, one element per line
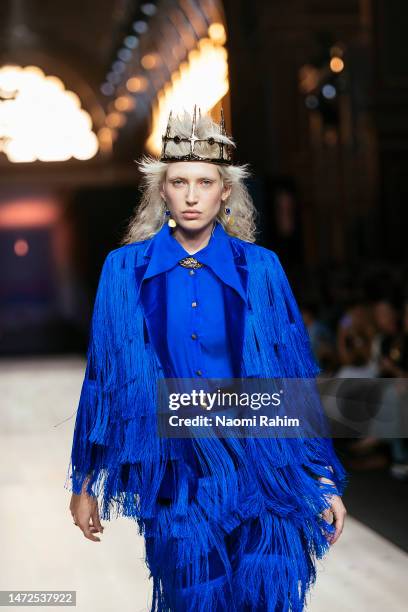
<point>193,304</point>
<point>191,272</point>
<point>194,336</point>
<point>198,372</point>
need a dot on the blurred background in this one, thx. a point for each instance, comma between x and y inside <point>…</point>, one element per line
<point>315,93</point>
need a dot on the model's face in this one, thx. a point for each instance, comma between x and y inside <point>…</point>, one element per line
<point>194,193</point>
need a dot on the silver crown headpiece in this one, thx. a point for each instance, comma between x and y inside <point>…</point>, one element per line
<point>224,151</point>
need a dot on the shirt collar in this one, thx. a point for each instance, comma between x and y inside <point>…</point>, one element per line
<point>165,252</point>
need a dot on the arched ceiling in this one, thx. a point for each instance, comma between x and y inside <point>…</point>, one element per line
<point>79,41</point>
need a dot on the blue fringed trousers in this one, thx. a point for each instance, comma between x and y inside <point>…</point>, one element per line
<point>216,594</point>
<point>224,578</point>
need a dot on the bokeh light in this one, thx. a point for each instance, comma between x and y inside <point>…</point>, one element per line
<point>136,84</point>
<point>216,32</point>
<point>336,64</point>
<point>43,121</point>
<point>21,247</point>
<point>202,80</point>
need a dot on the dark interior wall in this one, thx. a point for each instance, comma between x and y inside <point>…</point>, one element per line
<point>269,42</point>
<point>101,216</point>
<point>347,170</point>
<point>390,51</point>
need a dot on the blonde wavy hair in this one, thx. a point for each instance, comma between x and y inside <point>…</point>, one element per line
<point>149,215</point>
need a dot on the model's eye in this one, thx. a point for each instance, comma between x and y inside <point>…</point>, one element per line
<point>207,182</point>
<point>177,182</point>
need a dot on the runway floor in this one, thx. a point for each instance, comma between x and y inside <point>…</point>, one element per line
<point>41,549</point>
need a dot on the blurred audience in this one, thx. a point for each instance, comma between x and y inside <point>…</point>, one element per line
<point>369,340</point>
<point>321,337</point>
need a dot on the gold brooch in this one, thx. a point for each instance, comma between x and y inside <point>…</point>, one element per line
<point>190,262</point>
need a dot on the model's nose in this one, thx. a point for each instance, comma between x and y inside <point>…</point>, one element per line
<point>192,197</point>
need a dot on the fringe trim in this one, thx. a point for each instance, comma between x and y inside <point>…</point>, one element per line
<point>117,449</point>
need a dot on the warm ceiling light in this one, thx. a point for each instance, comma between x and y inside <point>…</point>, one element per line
<point>35,70</point>
<point>124,103</point>
<point>72,97</point>
<point>216,32</point>
<point>336,64</point>
<point>43,121</point>
<point>150,61</point>
<point>88,149</point>
<point>105,139</point>
<point>59,84</point>
<point>115,120</point>
<point>104,134</point>
<point>194,55</point>
<point>203,80</point>
<point>136,84</point>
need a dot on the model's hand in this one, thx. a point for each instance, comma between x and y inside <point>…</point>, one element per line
<point>337,511</point>
<point>85,514</point>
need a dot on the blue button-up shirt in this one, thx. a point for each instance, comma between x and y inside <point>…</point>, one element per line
<point>197,337</point>
<point>196,330</point>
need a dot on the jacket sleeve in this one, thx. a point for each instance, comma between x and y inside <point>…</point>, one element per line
<point>85,461</point>
<point>323,460</point>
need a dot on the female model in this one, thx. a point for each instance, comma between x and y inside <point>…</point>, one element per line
<point>230,524</point>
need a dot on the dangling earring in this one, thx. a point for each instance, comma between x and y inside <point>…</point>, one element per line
<point>171,222</point>
<point>230,218</point>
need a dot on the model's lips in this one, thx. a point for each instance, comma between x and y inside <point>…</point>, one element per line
<point>191,214</point>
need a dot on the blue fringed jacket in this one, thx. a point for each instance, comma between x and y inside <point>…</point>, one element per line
<point>115,445</point>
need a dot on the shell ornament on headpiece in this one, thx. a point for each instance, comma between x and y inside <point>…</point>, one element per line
<point>224,150</point>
